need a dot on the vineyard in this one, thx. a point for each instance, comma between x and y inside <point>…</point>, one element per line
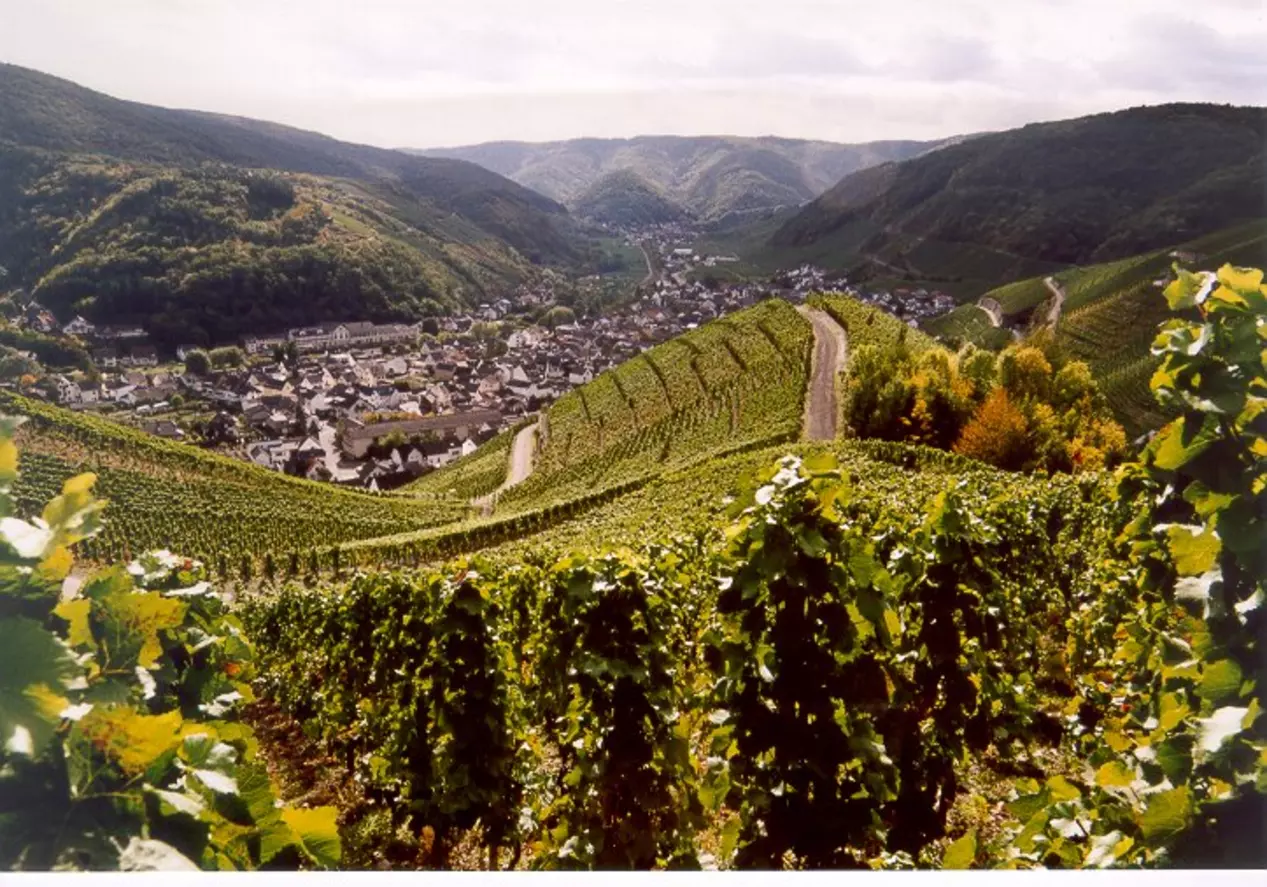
<point>1110,314</point>
<point>168,495</point>
<point>890,659</point>
<point>613,710</point>
<point>734,380</point>
<point>865,324</point>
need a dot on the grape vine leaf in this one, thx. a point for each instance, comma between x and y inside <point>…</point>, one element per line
<point>34,663</point>
<point>961,853</point>
<point>318,833</point>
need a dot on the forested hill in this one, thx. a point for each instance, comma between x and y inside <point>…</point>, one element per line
<point>1069,192</point>
<point>625,198</point>
<point>41,111</point>
<point>714,177</point>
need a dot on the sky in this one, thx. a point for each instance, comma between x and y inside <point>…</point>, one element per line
<point>432,73</point>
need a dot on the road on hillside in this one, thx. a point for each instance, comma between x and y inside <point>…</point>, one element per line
<point>1058,301</point>
<point>646,257</point>
<point>993,310</point>
<point>522,450</point>
<point>822,411</point>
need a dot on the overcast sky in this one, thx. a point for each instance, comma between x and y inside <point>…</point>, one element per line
<point>425,73</point>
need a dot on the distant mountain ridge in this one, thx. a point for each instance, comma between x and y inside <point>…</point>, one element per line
<point>714,178</point>
<point>1031,200</point>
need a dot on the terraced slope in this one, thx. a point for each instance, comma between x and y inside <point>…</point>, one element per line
<point>168,495</point>
<point>866,324</point>
<point>1111,313</point>
<point>738,379</point>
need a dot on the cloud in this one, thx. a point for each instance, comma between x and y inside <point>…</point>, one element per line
<point>400,72</point>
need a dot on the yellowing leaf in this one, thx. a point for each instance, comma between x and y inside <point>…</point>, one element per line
<point>318,833</point>
<point>75,612</point>
<point>8,460</point>
<point>1114,774</point>
<point>80,484</point>
<point>1195,550</point>
<point>961,853</point>
<point>1243,279</point>
<point>131,622</point>
<point>57,565</point>
<point>131,739</point>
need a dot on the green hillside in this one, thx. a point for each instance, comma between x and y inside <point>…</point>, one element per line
<point>207,255</point>
<point>718,179</point>
<point>174,496</point>
<point>1032,200</point>
<point>1111,313</point>
<point>623,197</point>
<point>732,381</point>
<point>201,227</point>
<point>40,111</point>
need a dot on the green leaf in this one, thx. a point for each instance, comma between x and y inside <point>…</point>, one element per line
<point>730,837</point>
<point>1114,774</point>
<point>1220,681</point>
<point>1104,850</point>
<point>318,833</point>
<point>1166,815</point>
<point>961,853</point>
<point>130,625</point>
<point>34,667</point>
<point>181,803</point>
<point>1174,447</point>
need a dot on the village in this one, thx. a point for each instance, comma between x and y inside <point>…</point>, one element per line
<point>376,405</point>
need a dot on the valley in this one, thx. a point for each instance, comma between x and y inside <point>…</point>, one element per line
<point>663,503</point>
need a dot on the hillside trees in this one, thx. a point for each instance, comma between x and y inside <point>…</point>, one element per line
<point>1014,411</point>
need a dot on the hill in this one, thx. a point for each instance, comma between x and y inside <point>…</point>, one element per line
<point>1110,314</point>
<point>41,111</point>
<point>717,179</point>
<point>206,255</point>
<point>1033,200</point>
<point>174,496</point>
<point>623,197</point>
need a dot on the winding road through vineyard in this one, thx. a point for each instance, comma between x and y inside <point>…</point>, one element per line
<point>822,411</point>
<point>518,467</point>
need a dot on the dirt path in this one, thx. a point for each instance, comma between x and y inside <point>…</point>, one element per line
<point>1058,301</point>
<point>993,310</point>
<point>522,451</point>
<point>646,256</point>
<point>822,412</point>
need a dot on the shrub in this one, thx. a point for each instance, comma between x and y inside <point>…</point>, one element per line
<point>998,434</point>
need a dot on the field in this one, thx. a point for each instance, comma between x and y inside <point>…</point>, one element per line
<point>734,380</point>
<point>749,653</point>
<point>168,495</point>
